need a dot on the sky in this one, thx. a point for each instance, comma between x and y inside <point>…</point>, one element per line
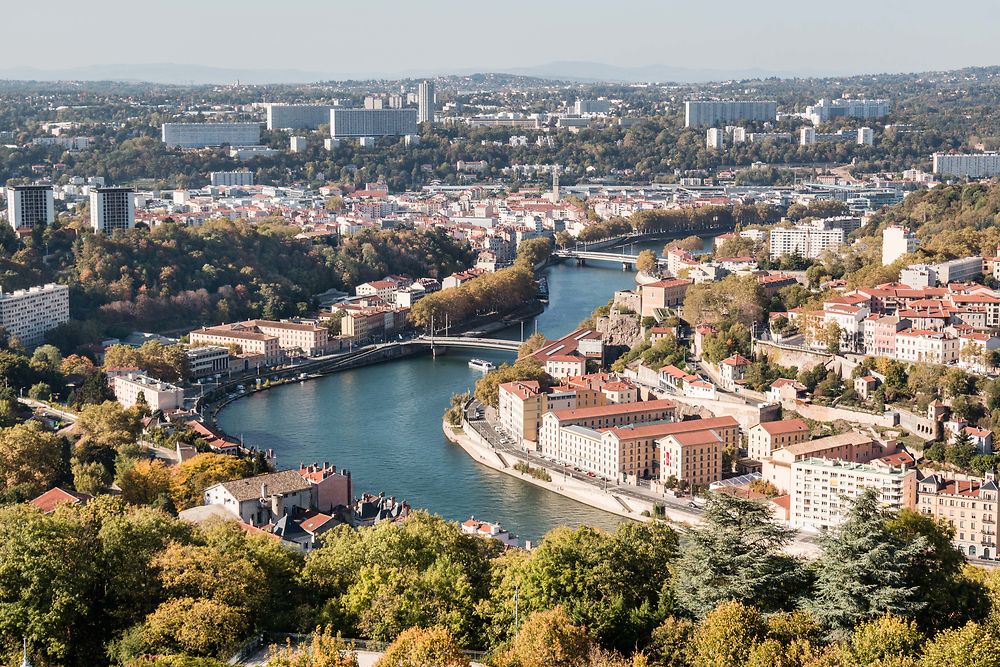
<point>435,36</point>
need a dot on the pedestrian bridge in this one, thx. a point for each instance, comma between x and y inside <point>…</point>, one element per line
<point>468,341</point>
<point>582,256</point>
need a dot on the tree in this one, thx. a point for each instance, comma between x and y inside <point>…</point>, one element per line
<point>732,299</point>
<point>883,639</point>
<point>200,627</point>
<point>670,643</point>
<point>31,459</point>
<point>865,571</point>
<point>90,477</point>
<point>108,425</point>
<point>193,476</point>
<point>646,262</point>
<point>969,646</point>
<point>961,450</point>
<point>548,639</point>
<point>726,635</point>
<point>534,342</point>
<point>488,387</point>
<point>419,646</point>
<point>143,482</point>
<point>324,649</point>
<point>47,355</point>
<point>736,554</point>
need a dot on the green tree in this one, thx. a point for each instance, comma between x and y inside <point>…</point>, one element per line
<point>968,646</point>
<point>533,343</point>
<point>199,627</point>
<point>735,554</point>
<point>865,571</point>
<point>31,459</point>
<point>90,477</point>
<point>883,639</point>
<point>670,643</point>
<point>961,450</point>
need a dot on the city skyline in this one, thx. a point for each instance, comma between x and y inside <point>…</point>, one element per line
<point>562,43</point>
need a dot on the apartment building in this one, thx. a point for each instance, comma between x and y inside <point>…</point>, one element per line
<point>825,109</point>
<point>807,241</point>
<point>156,394</point>
<point>969,505</point>
<point>764,438</point>
<point>896,242</point>
<point>297,116</point>
<point>702,113</point>
<point>425,102</point>
<point>231,178</point>
<point>715,138</point>
<point>520,409</point>
<point>205,135</point>
<point>923,345</point>
<point>112,209</point>
<point>28,314</point>
<point>355,123</point>
<point>30,205</point>
<point>853,446</point>
<point>822,490</point>
<point>967,165</point>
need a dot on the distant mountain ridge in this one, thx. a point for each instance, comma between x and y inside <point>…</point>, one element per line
<point>180,74</point>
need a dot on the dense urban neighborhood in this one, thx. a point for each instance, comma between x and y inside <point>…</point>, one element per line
<point>347,373</point>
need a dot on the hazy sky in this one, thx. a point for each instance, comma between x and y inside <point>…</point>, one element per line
<point>405,35</point>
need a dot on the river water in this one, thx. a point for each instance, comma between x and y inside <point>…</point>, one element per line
<point>383,422</point>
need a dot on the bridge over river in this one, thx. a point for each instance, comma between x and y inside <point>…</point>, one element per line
<point>583,256</point>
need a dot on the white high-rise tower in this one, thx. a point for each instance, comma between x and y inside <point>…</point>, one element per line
<point>425,102</point>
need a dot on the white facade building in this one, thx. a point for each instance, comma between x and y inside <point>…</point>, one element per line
<point>822,490</point>
<point>714,138</point>
<point>158,395</point>
<point>971,165</point>
<point>807,136</point>
<point>111,209</point>
<point>30,205</point>
<point>28,314</point>
<point>866,136</point>
<point>425,102</point>
<point>826,110</point>
<point>896,242</point>
<point>204,135</point>
<point>298,144</point>
<point>231,178</point>
<point>356,123</point>
<point>805,240</point>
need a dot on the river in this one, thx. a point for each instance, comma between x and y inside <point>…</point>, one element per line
<point>383,422</point>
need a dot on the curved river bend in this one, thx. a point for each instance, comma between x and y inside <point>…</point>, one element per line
<point>383,423</point>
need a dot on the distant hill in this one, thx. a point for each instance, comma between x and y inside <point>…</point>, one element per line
<point>179,74</point>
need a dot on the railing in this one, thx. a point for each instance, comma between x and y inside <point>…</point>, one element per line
<point>281,638</point>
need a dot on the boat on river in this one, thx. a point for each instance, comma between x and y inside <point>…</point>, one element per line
<point>481,365</point>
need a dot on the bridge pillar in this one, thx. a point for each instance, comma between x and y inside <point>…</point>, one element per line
<point>625,266</point>
<point>580,261</point>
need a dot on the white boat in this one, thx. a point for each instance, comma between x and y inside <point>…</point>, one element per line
<point>481,365</point>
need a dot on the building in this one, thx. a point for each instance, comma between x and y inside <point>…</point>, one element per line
<point>357,123</point>
<point>520,409</point>
<point>926,346</point>
<point>231,178</point>
<point>264,499</point>
<point>866,136</point>
<point>852,446</point>
<point>826,110</point>
<point>56,496</point>
<point>112,209</point>
<point>594,107</point>
<point>28,314</point>
<point>807,136</point>
<point>263,349</point>
<point>969,505</point>
<point>732,369</point>
<point>822,490</point>
<point>701,113</point>
<point>694,458</point>
<point>207,360</point>
<point>295,338</point>
<point>896,242</point>
<point>715,138</point>
<point>297,144</point>
<point>30,205</point>
<point>763,439</point>
<point>663,294</point>
<point>964,269</point>
<point>205,135</point>
<point>739,135</point>
<point>808,241</point>
<point>297,116</point>
<point>425,102</point>
<point>568,356</point>
<point>967,165</point>
<point>155,394</point>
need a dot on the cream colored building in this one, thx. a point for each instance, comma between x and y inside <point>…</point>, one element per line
<point>969,505</point>
<point>694,457</point>
<point>28,313</point>
<point>822,490</point>
<point>249,341</point>
<point>853,446</point>
<point>930,347</point>
<point>520,408</point>
<point>158,395</point>
<point>763,439</point>
<point>309,339</point>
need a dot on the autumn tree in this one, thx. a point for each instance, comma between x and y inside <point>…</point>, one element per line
<point>323,649</point>
<point>419,646</point>
<point>548,639</point>
<point>726,635</point>
<point>144,482</point>
<point>31,459</point>
<point>646,262</point>
<point>193,476</point>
